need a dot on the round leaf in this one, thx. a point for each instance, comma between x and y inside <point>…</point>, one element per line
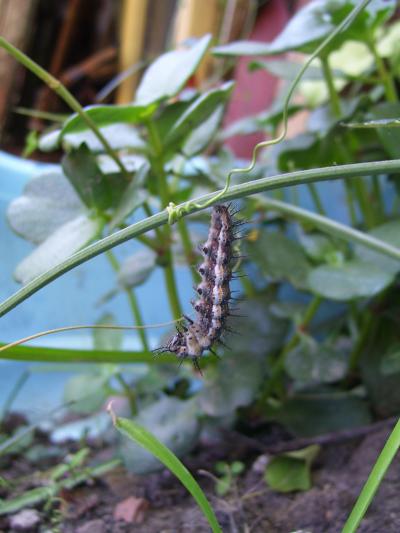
<point>348,281</point>
<point>47,202</point>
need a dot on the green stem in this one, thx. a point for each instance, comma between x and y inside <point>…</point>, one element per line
<point>158,167</point>
<point>237,191</point>
<point>362,195</point>
<point>129,393</point>
<point>279,364</point>
<point>374,480</point>
<point>190,255</point>
<point>384,74</point>
<point>132,302</point>
<point>56,86</point>
<point>316,199</point>
<point>350,203</point>
<point>362,338</point>
<point>333,95</point>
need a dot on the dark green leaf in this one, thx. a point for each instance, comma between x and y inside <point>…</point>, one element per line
<point>317,245</point>
<point>199,111</point>
<point>351,280</point>
<point>133,197</point>
<point>168,74</point>
<point>235,381</point>
<point>291,471</point>
<point>281,258</point>
<point>311,362</point>
<point>97,190</point>
<point>310,415</point>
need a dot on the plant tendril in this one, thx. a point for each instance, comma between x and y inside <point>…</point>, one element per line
<point>177,211</point>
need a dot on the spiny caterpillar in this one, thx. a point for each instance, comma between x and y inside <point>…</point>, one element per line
<point>213,305</point>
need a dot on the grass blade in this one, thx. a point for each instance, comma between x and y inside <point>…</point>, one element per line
<point>141,436</point>
<point>374,480</point>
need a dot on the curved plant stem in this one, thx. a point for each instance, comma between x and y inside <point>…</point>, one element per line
<point>374,480</point>
<point>56,86</point>
<point>137,315</point>
<point>237,191</point>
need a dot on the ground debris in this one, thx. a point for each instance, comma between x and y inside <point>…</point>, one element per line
<point>131,510</point>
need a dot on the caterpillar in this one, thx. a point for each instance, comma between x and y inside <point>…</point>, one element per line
<point>212,307</point>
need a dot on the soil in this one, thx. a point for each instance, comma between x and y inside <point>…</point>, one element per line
<point>338,475</point>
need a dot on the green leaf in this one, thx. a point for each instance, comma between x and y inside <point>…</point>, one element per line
<point>86,392</point>
<point>311,362</point>
<point>149,442</point>
<point>107,339</point>
<point>136,269</point>
<point>280,258</point>
<point>199,111</point>
<point>106,115</point>
<point>389,233</point>
<point>291,471</point>
<point>47,202</point>
<point>348,281</point>
<point>97,190</point>
<point>133,197</point>
<point>317,245</point>
<point>310,415</point>
<point>64,242</point>
<point>168,74</point>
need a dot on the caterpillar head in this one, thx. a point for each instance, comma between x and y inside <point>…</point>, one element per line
<point>176,345</point>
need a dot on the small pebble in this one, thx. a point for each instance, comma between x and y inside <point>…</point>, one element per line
<point>25,520</point>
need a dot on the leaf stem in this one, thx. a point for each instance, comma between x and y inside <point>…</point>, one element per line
<point>55,85</point>
<point>237,191</point>
<point>129,393</point>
